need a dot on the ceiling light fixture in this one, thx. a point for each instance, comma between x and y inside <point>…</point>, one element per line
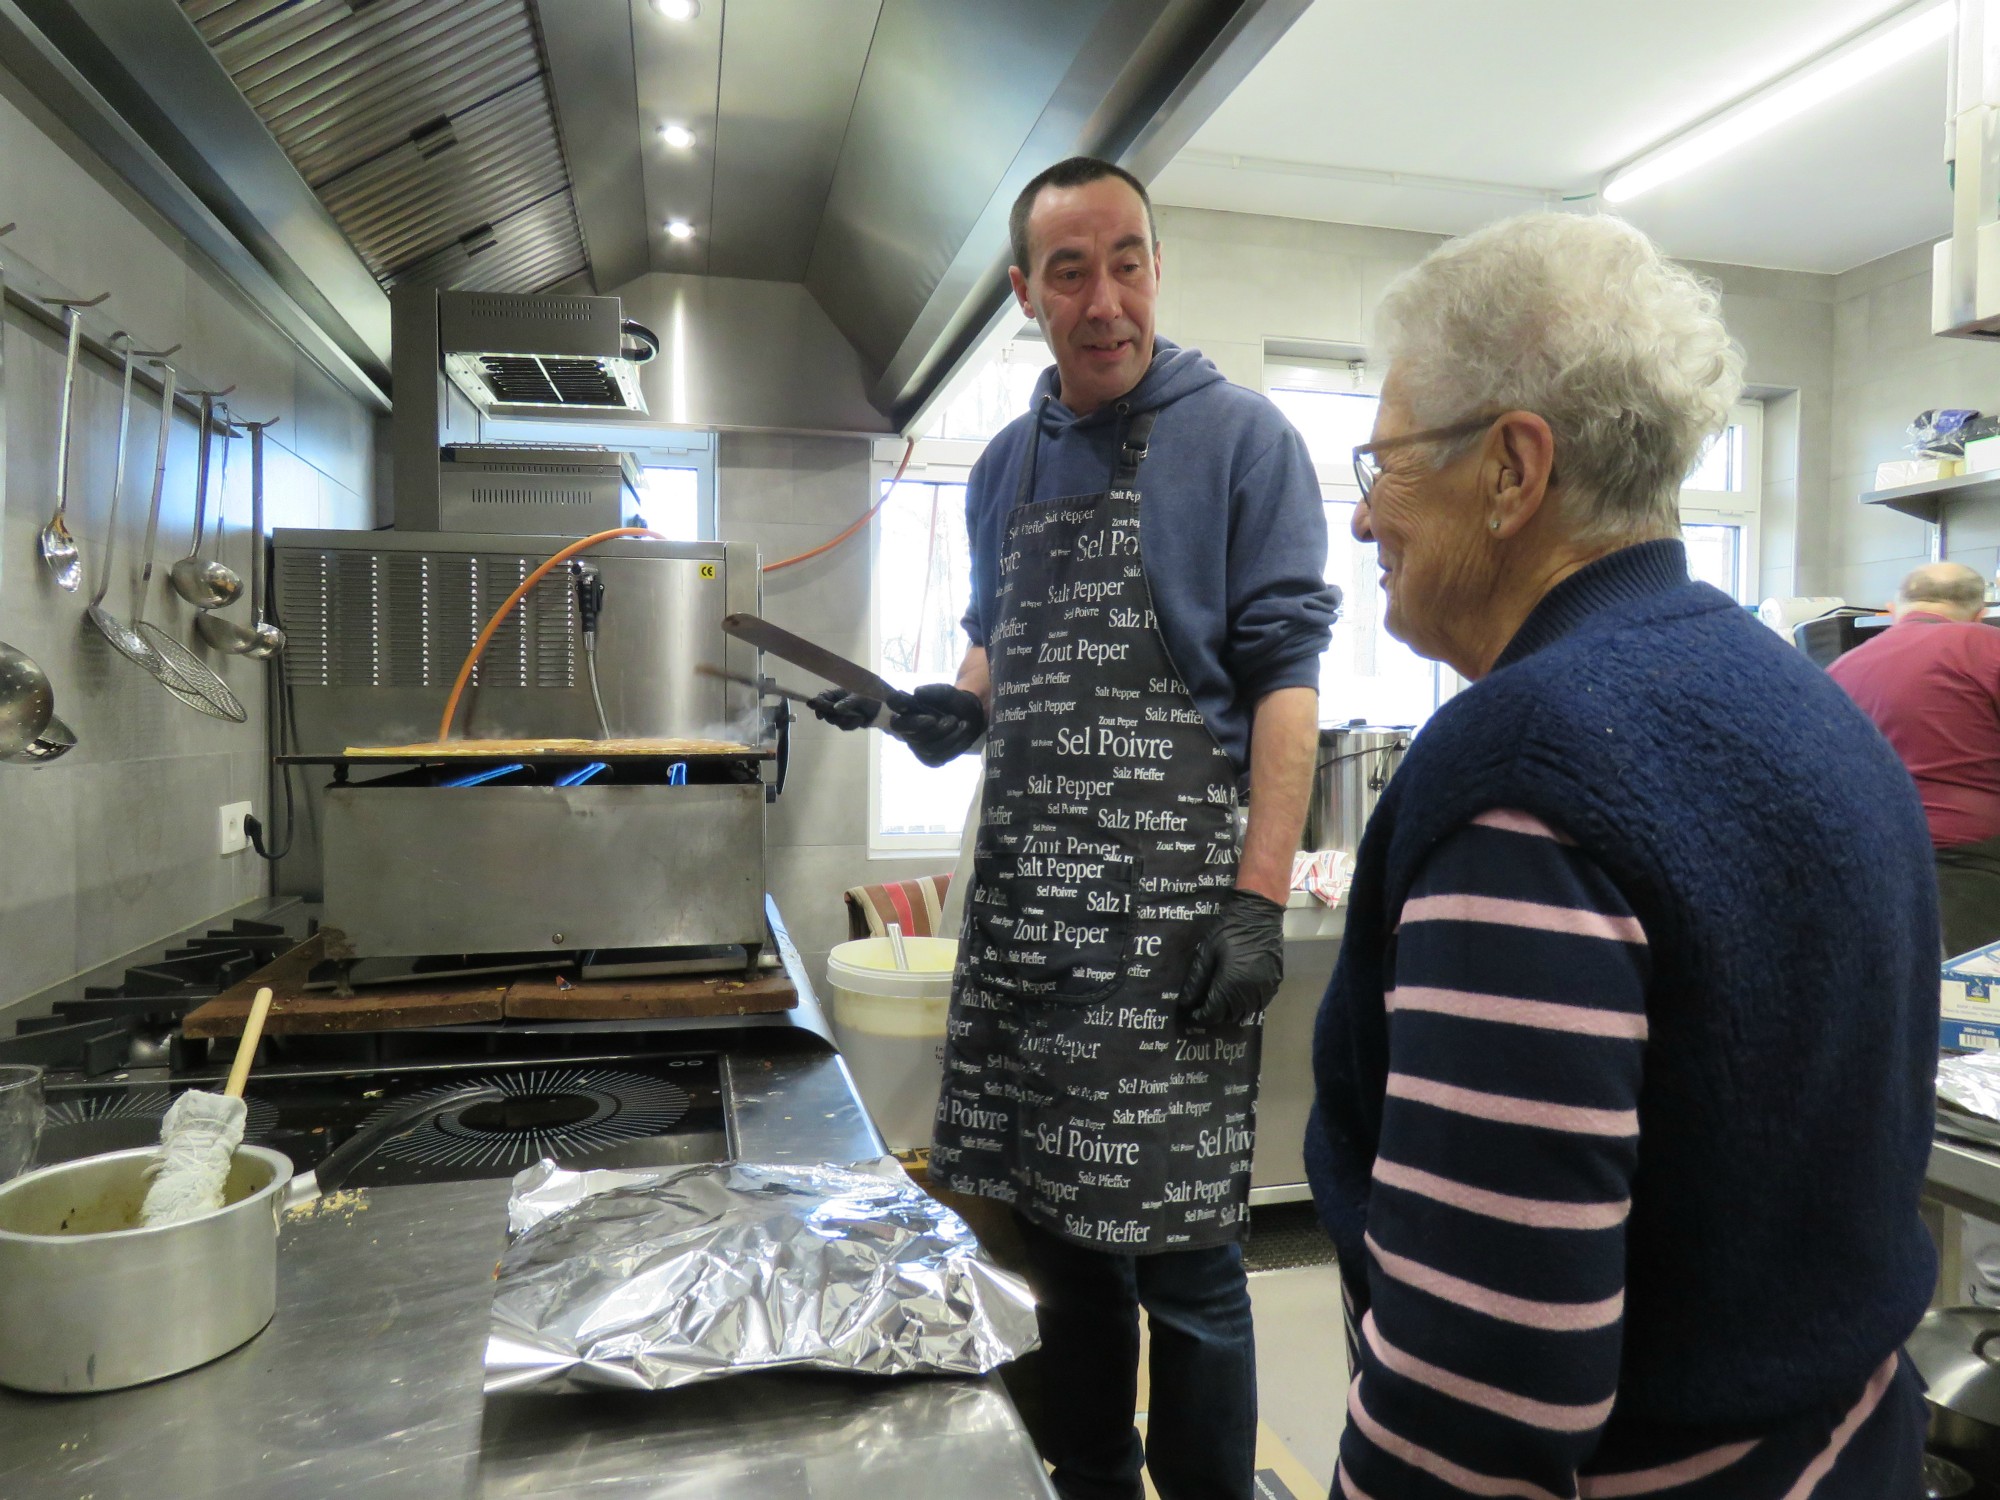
<point>678,10</point>
<point>1784,98</point>
<point>680,229</point>
<point>678,136</point>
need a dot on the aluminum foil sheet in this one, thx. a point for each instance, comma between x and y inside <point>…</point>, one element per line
<point>649,1280</point>
<point>1968,1093</point>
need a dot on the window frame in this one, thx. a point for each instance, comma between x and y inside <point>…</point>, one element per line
<point>1344,371</point>
<point>1744,508</point>
<point>932,461</point>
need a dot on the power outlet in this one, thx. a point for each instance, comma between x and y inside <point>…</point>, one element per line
<point>230,837</point>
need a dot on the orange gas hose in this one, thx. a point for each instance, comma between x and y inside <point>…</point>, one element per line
<point>869,515</point>
<point>486,635</point>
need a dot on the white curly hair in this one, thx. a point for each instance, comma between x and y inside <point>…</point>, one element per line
<point>1581,320</point>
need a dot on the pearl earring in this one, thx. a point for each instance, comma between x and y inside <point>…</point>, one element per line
<point>1493,525</point>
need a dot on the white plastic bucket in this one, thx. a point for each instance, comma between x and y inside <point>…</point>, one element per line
<point>890,1024</point>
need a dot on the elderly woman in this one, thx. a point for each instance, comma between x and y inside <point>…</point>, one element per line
<point>1624,1078</point>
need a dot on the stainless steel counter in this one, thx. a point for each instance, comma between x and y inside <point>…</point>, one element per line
<point>367,1383</point>
<point>1965,1177</point>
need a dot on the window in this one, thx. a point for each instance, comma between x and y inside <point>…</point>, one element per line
<point>922,589</point>
<point>997,393</point>
<point>1366,674</point>
<point>1721,506</point>
<point>670,502</point>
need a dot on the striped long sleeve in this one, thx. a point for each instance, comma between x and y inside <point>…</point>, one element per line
<point>1488,1355</point>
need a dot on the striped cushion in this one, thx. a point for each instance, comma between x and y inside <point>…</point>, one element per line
<point>914,904</point>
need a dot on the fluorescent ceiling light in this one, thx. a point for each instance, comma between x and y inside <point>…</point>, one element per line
<point>677,136</point>
<point>680,229</point>
<point>1874,51</point>
<point>678,10</point>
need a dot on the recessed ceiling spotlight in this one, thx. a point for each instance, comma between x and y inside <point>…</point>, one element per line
<point>678,136</point>
<point>678,10</point>
<point>680,229</point>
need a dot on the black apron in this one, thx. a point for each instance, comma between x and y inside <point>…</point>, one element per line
<point>1074,1088</point>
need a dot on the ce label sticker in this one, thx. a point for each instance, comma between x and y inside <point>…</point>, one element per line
<point>708,570</point>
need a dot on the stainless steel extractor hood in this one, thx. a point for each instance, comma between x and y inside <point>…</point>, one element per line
<point>543,356</point>
<point>853,158</point>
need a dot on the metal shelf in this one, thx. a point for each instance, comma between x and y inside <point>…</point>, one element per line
<point>1927,501</point>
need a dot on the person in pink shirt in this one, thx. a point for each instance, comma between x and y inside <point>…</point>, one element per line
<point>1931,683</point>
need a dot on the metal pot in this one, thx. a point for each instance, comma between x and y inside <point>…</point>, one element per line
<point>1355,763</point>
<point>1957,1351</point>
<point>87,1304</point>
<point>94,1309</point>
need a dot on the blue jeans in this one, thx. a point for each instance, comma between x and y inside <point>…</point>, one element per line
<point>1201,1429</point>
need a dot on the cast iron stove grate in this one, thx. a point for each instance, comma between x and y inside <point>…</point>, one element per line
<point>136,1022</point>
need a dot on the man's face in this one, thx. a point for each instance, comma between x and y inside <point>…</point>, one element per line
<point>1436,568</point>
<point>1091,286</point>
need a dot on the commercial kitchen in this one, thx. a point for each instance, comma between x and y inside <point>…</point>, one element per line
<point>446,442</point>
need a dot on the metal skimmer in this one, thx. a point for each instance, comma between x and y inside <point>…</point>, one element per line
<point>180,671</point>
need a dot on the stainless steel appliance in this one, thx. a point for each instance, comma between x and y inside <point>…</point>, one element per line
<point>535,489</point>
<point>1355,762</point>
<point>653,845</point>
<point>528,355</point>
<point>462,357</point>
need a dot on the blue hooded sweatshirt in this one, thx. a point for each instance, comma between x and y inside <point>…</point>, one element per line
<point>1231,530</point>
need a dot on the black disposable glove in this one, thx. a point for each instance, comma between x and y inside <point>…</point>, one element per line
<point>938,721</point>
<point>845,710</point>
<point>1240,964</point>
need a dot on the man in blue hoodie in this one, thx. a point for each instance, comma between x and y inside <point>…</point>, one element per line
<point>1149,607</point>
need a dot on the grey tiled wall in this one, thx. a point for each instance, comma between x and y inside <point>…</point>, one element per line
<point>114,845</point>
<point>1888,366</point>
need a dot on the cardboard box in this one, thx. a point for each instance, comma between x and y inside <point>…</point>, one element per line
<point>1969,1002</point>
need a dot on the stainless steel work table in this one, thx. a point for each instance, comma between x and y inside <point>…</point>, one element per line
<point>367,1383</point>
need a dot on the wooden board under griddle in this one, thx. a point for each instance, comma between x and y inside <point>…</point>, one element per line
<point>296,1010</point>
<point>447,1002</point>
<point>542,997</point>
<point>527,749</point>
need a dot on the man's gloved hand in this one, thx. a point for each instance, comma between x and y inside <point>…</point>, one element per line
<point>938,723</point>
<point>845,710</point>
<point>942,724</point>
<point>1240,964</point>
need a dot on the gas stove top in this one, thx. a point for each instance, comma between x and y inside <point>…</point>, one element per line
<point>588,1111</point>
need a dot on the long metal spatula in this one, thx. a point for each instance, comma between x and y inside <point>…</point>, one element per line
<point>821,662</point>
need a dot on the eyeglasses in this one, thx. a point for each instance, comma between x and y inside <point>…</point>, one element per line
<point>1367,471</point>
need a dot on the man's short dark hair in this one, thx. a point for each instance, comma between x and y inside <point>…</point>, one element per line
<point>1075,172</point>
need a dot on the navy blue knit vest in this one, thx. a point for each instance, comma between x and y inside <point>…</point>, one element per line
<point>1775,851</point>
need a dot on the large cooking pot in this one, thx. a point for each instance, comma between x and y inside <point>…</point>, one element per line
<point>1355,762</point>
<point>1957,1351</point>
<point>90,1300</point>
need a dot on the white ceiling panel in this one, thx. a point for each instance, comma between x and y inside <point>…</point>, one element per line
<point>1497,109</point>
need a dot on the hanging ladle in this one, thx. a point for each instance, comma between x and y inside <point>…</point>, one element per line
<point>260,641</point>
<point>205,585</point>
<point>128,641</point>
<point>27,699</point>
<point>58,546</point>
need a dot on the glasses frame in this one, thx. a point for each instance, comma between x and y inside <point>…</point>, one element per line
<point>1366,471</point>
